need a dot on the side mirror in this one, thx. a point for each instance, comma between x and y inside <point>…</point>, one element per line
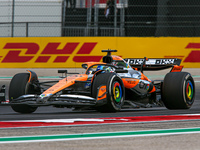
<point>62,71</point>
<point>84,66</point>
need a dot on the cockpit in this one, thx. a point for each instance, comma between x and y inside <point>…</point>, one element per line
<point>94,68</point>
<point>120,63</point>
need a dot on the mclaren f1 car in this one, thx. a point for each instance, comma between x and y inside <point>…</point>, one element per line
<point>106,86</point>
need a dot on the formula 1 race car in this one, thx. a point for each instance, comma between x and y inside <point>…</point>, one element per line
<point>106,86</point>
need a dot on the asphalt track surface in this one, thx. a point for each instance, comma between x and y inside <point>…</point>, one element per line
<point>171,141</point>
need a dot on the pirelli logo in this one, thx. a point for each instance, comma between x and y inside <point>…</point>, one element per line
<point>25,52</point>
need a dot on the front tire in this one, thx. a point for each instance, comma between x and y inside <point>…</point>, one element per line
<point>178,90</point>
<point>19,86</point>
<point>115,91</point>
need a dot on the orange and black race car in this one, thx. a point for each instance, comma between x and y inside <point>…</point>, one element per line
<point>106,86</point>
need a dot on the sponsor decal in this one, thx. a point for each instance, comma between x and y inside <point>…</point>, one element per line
<point>177,69</point>
<point>147,87</point>
<point>194,55</point>
<point>87,85</point>
<point>25,52</point>
<point>131,82</point>
<point>164,61</point>
<point>151,61</point>
<point>45,95</point>
<point>72,52</point>
<point>102,93</point>
<point>103,89</point>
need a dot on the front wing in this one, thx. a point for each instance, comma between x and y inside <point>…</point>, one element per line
<point>62,100</point>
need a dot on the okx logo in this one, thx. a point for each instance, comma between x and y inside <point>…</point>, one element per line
<point>24,52</point>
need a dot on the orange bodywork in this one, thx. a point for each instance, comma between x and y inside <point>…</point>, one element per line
<point>66,82</point>
<point>176,68</point>
<point>29,80</point>
<point>89,64</point>
<point>153,90</point>
<point>143,77</point>
<point>116,58</point>
<point>102,93</point>
<point>70,80</point>
<point>129,82</point>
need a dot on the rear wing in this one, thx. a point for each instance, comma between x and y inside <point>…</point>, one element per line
<point>152,63</point>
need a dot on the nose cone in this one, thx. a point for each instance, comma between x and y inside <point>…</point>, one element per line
<point>43,98</point>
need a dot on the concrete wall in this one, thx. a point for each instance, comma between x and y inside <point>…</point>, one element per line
<point>33,12</point>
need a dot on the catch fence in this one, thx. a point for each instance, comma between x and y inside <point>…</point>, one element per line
<point>141,18</point>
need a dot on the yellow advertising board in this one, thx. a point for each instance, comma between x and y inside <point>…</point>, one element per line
<point>67,52</point>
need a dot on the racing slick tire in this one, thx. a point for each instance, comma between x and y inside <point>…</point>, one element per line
<point>178,90</point>
<point>115,91</point>
<point>19,86</point>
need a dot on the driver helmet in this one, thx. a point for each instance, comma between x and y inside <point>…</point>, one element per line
<point>99,67</point>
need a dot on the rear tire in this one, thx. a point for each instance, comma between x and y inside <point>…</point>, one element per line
<point>19,86</point>
<point>178,90</point>
<point>115,91</point>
